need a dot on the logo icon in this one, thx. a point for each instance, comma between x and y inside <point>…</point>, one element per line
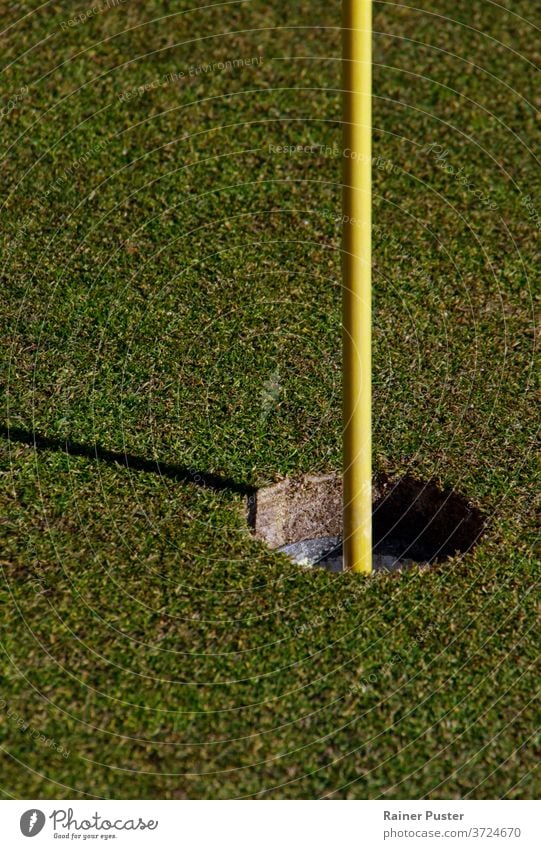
<point>32,822</point>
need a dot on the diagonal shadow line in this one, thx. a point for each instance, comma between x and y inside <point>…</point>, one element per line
<point>184,474</point>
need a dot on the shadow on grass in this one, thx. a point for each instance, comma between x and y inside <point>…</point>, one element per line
<point>411,517</point>
<point>184,474</point>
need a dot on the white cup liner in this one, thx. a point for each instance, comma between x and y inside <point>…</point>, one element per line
<point>326,553</point>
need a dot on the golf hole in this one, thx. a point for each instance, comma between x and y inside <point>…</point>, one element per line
<point>414,522</point>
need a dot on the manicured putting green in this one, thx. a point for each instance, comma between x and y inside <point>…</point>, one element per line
<point>171,291</point>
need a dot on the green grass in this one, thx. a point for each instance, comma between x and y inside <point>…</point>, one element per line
<point>162,267</point>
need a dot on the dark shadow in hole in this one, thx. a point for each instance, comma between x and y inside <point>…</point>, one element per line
<point>175,472</point>
<point>417,520</point>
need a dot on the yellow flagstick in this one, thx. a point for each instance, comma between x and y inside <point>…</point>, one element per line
<point>357,284</point>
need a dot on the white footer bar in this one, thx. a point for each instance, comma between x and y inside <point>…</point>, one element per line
<point>272,824</point>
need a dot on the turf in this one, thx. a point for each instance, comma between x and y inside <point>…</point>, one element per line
<point>171,291</point>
